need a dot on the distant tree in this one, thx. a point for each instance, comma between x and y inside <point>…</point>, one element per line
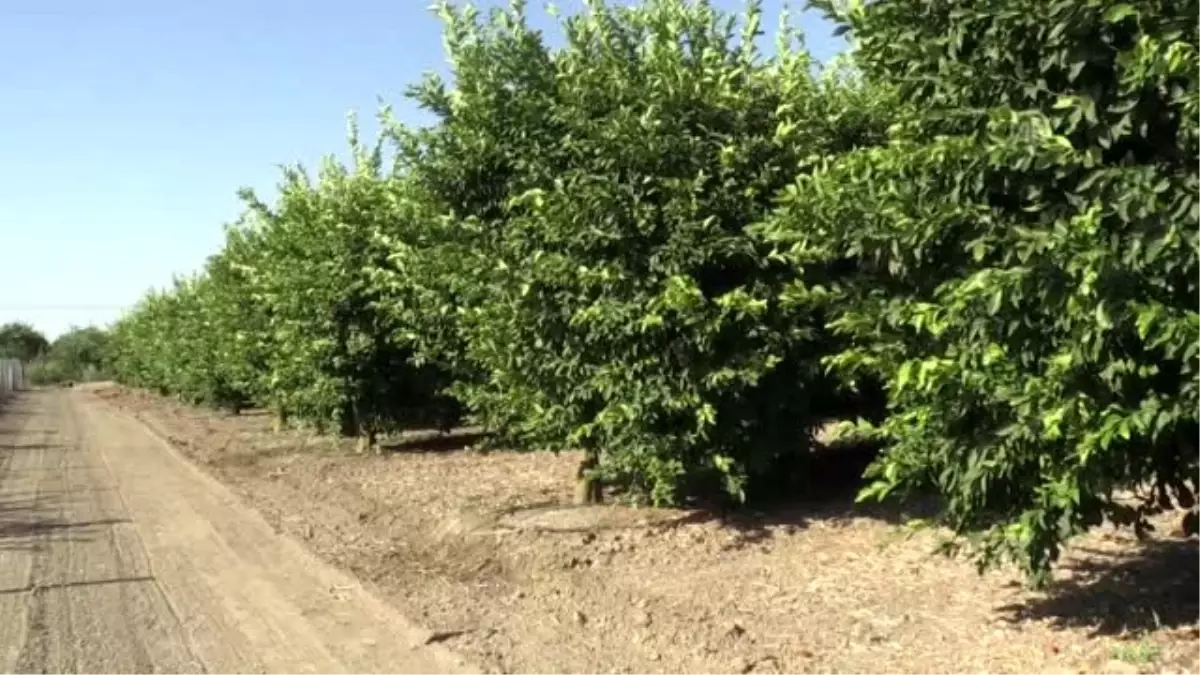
<point>78,355</point>
<point>21,341</point>
<point>82,351</point>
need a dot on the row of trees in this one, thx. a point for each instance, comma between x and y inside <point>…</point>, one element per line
<point>976,239</point>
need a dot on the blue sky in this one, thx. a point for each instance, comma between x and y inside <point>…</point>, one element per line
<point>126,127</point>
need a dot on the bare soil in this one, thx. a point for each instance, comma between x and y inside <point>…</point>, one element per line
<point>117,555</point>
<point>486,551</point>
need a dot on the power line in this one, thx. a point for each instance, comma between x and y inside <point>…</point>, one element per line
<point>57,308</point>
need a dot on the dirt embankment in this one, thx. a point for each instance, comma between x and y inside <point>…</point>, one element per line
<point>485,550</point>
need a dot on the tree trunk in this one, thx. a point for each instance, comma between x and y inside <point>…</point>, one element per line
<point>349,427</point>
<point>368,440</point>
<point>588,489</point>
<point>280,422</point>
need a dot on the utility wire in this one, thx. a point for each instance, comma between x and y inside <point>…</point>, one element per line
<point>55,308</point>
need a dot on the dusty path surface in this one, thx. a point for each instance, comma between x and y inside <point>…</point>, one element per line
<point>117,555</point>
<point>486,549</point>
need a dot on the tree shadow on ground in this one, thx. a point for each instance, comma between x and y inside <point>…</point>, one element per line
<point>29,447</point>
<point>14,406</point>
<point>247,413</point>
<point>432,441</point>
<point>825,491</point>
<point>1111,593</point>
<point>29,523</point>
<point>31,587</point>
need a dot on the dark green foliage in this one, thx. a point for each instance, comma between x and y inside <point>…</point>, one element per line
<point>595,260</point>
<point>655,244</point>
<point>336,358</point>
<point>1019,261</point>
<point>22,342</point>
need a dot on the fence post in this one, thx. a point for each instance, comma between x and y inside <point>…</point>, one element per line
<point>12,376</point>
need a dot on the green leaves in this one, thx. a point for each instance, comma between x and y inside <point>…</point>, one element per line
<point>658,245</point>
<point>80,355</point>
<point>606,290</point>
<point>22,342</point>
<point>291,314</point>
<point>1017,248</point>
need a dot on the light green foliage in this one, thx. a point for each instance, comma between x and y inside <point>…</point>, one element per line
<point>167,345</point>
<point>79,355</point>
<point>1019,260</point>
<point>335,357</point>
<point>285,316</point>
<point>658,245</point>
<point>593,256</point>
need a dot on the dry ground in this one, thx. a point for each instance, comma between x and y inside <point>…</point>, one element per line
<point>117,555</point>
<point>484,551</point>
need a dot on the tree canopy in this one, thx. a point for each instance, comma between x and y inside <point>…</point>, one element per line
<point>973,242</point>
<point>21,341</point>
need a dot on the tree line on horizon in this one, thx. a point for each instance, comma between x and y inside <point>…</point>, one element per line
<point>78,355</point>
<point>972,243</point>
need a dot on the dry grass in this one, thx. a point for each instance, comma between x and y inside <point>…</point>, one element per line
<point>484,549</point>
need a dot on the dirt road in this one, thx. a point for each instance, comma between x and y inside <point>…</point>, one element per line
<point>116,555</point>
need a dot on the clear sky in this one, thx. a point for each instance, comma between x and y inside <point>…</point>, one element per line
<point>126,127</point>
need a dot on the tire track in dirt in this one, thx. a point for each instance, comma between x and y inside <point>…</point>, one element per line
<point>76,595</point>
<point>116,555</point>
